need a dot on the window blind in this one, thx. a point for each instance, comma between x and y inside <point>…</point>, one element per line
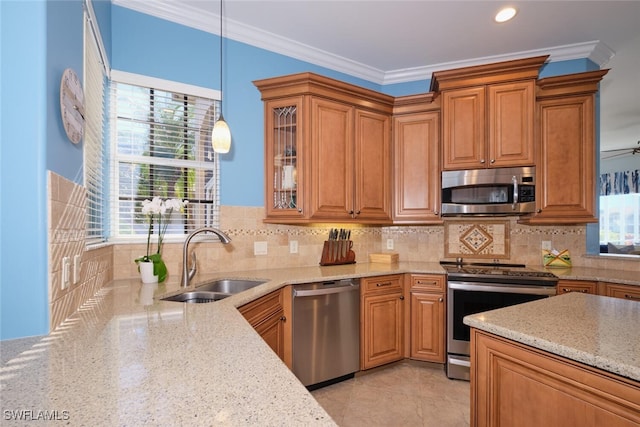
<point>161,140</point>
<point>95,83</point>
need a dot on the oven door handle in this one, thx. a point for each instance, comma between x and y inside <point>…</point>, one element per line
<point>481,287</point>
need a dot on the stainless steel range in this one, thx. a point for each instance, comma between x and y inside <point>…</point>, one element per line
<point>477,287</point>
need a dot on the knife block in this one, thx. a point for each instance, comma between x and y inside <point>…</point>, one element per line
<point>335,252</point>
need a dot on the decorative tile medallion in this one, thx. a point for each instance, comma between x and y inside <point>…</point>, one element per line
<point>477,239</point>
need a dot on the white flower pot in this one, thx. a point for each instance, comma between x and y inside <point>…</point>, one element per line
<point>146,272</point>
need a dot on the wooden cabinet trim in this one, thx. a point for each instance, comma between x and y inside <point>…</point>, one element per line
<point>511,382</point>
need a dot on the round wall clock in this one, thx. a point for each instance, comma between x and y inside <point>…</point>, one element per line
<point>72,105</point>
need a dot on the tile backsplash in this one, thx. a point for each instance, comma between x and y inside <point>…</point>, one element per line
<point>67,239</point>
<point>245,227</point>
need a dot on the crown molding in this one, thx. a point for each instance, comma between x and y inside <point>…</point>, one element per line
<point>192,17</point>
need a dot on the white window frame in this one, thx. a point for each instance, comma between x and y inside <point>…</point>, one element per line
<point>168,86</point>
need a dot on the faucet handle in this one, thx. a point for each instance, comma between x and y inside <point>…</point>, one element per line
<point>193,269</point>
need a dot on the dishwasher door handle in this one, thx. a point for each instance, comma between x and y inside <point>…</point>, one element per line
<point>327,291</point>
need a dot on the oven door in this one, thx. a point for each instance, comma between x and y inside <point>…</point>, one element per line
<point>465,298</point>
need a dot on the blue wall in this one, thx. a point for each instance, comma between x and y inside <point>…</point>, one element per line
<point>33,140</point>
<point>23,222</point>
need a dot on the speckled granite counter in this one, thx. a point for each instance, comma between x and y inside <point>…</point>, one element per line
<point>126,358</point>
<point>626,277</point>
<point>598,331</point>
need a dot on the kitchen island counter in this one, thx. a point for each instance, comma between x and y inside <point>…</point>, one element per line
<point>598,331</point>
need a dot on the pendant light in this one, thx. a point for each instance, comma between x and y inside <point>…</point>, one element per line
<point>221,134</point>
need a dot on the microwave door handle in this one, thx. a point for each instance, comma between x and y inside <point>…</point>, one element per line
<point>515,193</point>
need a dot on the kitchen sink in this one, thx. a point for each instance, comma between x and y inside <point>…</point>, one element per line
<point>215,290</point>
<point>197,297</point>
<point>229,286</point>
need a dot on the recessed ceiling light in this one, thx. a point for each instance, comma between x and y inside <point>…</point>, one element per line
<point>505,14</point>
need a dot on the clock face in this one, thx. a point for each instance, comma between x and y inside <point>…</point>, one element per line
<point>72,105</point>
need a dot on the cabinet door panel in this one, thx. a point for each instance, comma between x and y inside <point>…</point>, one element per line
<point>416,169</point>
<point>511,114</point>
<point>464,128</point>
<point>566,169</point>
<point>427,327</point>
<point>332,160</point>
<point>383,332</point>
<point>372,166</point>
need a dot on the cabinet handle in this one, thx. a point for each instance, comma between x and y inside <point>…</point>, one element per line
<point>300,210</point>
<point>539,210</point>
<point>436,213</point>
<point>402,297</point>
<point>493,160</point>
<point>440,299</point>
<point>627,296</point>
<point>384,284</point>
<point>432,282</point>
<point>283,318</point>
<point>584,291</point>
<point>350,212</point>
<point>482,161</point>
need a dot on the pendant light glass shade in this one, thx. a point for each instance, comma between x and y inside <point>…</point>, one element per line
<point>221,136</point>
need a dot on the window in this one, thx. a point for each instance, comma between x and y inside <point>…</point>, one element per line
<point>620,212</point>
<point>161,140</point>
<point>95,83</point>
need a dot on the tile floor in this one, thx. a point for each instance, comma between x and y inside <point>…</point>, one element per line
<point>406,393</point>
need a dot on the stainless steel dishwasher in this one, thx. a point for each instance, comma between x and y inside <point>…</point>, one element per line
<point>326,331</point>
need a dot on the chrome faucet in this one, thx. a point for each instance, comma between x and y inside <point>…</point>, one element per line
<point>187,274</point>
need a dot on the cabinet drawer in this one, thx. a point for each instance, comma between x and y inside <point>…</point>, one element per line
<point>381,284</point>
<point>584,286</point>
<point>257,311</point>
<point>421,282</point>
<point>627,292</point>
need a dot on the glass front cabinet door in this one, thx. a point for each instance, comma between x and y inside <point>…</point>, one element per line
<point>283,153</point>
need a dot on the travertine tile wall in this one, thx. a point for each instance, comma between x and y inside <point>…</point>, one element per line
<point>414,243</point>
<point>66,239</point>
<point>244,225</point>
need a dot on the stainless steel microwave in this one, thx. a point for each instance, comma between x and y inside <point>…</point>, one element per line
<point>489,192</point>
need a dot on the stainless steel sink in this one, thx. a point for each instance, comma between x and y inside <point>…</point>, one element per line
<point>229,286</point>
<point>215,290</point>
<point>195,297</point>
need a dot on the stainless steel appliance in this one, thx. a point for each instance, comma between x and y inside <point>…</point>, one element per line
<point>326,331</point>
<point>474,288</point>
<point>494,191</point>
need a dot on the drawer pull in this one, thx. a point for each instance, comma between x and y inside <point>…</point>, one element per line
<point>384,284</point>
<point>433,282</point>
<point>628,296</point>
<point>584,291</point>
<point>441,299</point>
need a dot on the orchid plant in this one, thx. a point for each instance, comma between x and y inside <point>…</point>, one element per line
<point>159,212</point>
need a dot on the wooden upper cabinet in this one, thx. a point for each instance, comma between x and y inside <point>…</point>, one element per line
<point>343,156</point>
<point>488,114</point>
<point>416,153</point>
<point>566,164</point>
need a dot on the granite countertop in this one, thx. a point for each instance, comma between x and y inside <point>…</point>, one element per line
<point>598,331</point>
<point>127,358</point>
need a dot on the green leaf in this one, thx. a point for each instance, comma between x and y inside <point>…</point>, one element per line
<point>159,267</point>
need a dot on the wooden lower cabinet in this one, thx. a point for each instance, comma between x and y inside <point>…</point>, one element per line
<point>382,313</point>
<point>516,385</point>
<point>584,286</point>
<point>267,316</point>
<point>616,290</point>
<point>427,318</point>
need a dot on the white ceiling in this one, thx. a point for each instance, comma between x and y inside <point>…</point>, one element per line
<point>397,41</point>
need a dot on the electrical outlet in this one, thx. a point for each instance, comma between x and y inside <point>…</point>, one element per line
<point>66,265</point>
<point>259,248</point>
<point>76,269</point>
<point>293,247</point>
<point>390,244</point>
<point>546,245</point>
